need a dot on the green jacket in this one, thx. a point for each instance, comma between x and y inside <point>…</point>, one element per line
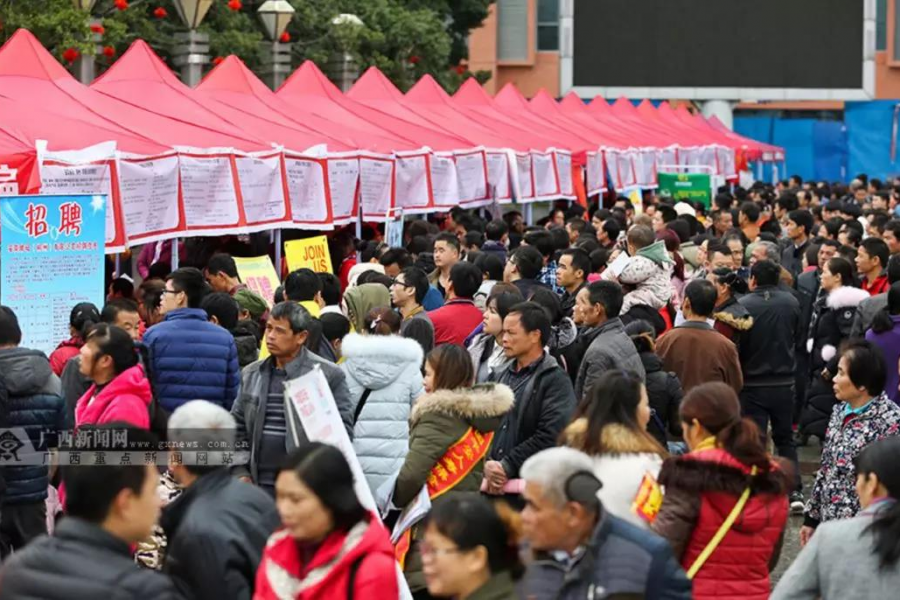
<point>438,420</point>
<point>499,587</point>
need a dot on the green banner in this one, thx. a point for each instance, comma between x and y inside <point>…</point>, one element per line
<point>693,187</point>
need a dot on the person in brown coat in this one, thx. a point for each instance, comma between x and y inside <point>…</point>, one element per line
<point>694,350</point>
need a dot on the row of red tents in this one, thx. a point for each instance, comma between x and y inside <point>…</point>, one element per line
<point>232,155</point>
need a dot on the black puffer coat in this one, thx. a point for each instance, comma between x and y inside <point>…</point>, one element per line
<point>664,392</point>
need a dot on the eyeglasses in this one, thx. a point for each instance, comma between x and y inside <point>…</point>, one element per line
<point>428,550</point>
<point>401,283</point>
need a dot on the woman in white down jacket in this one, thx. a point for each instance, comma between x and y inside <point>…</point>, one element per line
<point>611,426</point>
<point>383,370</point>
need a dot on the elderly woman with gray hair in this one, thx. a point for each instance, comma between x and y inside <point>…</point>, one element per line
<point>217,528</point>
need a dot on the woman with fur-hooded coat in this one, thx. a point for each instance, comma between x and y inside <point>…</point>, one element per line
<point>389,366</point>
<point>831,322</point>
<point>438,421</point>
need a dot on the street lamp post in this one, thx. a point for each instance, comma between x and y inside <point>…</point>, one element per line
<point>275,15</point>
<point>342,68</point>
<point>84,67</point>
<point>192,51</point>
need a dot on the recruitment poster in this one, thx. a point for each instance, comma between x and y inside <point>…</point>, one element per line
<point>311,253</point>
<point>51,259</point>
<point>258,274</point>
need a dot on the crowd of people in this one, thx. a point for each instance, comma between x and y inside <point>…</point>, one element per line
<point>579,408</point>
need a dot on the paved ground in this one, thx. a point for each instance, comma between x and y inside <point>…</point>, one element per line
<point>809,463</point>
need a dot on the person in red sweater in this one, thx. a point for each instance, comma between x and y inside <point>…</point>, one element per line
<point>455,320</point>
<point>727,467</point>
<point>330,547</point>
<point>870,262</point>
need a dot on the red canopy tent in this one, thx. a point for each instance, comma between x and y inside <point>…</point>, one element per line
<point>308,90</point>
<point>776,153</point>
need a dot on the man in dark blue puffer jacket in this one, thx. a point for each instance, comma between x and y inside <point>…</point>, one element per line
<point>34,414</point>
<point>190,358</point>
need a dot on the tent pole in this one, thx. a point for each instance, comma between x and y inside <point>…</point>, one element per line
<point>529,217</point>
<point>118,265</point>
<point>359,234</point>
<point>174,253</point>
<point>277,236</point>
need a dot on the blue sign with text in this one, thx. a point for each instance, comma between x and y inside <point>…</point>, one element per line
<point>51,259</point>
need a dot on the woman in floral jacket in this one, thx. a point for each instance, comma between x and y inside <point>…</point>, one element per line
<point>863,415</point>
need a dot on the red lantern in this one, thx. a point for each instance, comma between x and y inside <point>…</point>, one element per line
<point>70,54</point>
<point>218,60</point>
<point>98,28</point>
<point>235,5</point>
<point>121,4</point>
<point>160,13</point>
<point>285,38</point>
<point>109,51</point>
<point>414,60</point>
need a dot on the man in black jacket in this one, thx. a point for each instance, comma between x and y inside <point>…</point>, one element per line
<point>218,527</point>
<point>768,359</point>
<point>571,274</point>
<point>109,509</point>
<point>544,402</point>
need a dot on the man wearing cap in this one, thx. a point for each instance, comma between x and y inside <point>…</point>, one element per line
<point>222,276</point>
<point>580,549</point>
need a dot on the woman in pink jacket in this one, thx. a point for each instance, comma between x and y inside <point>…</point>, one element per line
<point>121,391</point>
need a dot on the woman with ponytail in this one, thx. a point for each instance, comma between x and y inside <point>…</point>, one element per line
<point>858,557</point>
<point>83,316</point>
<point>731,318</point>
<point>725,505</point>
<point>885,334</point>
<point>121,391</point>
<point>471,550</point>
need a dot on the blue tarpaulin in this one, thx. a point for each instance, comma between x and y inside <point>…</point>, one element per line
<point>815,149</point>
<point>869,131</point>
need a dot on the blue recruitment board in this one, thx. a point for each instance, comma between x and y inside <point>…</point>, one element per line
<point>51,259</point>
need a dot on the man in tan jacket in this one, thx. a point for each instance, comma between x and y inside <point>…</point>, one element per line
<point>695,351</point>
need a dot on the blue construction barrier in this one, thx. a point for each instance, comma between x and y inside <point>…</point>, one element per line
<point>869,131</point>
<point>814,149</point>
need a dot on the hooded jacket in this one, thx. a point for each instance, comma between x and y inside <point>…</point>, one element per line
<point>438,421</point>
<point>389,366</point>
<point>366,547</point>
<point>35,405</point>
<point>702,488</point>
<point>192,359</point>
<point>81,561</point>
<point>650,273</point>
<point>126,398</point>
<point>360,299</point>
<point>832,325</point>
<point>247,338</point>
<point>626,459</point>
<point>732,320</point>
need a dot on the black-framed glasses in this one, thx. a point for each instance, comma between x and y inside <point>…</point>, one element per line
<point>171,292</point>
<point>401,283</point>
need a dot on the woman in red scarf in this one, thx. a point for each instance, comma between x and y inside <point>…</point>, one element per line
<point>330,546</point>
